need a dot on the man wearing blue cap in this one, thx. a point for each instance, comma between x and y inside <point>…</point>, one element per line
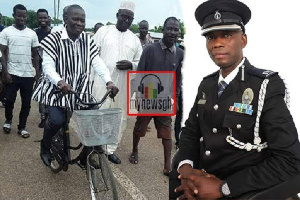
<point>240,136</point>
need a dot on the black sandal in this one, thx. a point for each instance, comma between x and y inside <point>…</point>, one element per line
<point>166,173</point>
<point>134,159</point>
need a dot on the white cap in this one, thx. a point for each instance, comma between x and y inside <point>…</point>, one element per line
<point>127,5</point>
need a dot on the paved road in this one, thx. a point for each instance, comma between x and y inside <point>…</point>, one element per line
<point>23,176</point>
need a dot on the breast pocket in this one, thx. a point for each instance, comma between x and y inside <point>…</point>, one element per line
<point>239,122</point>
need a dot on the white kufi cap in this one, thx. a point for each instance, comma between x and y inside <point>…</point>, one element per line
<point>127,5</point>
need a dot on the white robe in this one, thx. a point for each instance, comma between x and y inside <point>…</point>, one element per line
<point>115,46</point>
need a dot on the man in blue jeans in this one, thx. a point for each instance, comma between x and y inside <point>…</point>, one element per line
<point>68,57</point>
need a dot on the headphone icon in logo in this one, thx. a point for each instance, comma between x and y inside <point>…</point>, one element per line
<point>160,88</point>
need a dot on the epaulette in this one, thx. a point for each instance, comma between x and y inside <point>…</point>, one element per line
<point>262,73</point>
<point>213,74</point>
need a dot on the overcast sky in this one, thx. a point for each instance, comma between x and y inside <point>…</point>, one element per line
<point>154,11</point>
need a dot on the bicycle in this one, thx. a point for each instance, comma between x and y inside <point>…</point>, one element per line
<point>91,136</point>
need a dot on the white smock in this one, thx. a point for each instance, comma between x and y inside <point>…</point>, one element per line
<point>115,46</point>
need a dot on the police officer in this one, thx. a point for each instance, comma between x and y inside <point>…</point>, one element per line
<point>240,136</point>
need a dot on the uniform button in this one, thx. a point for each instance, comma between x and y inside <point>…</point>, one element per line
<point>207,153</point>
<point>201,139</point>
<point>215,130</point>
<point>238,126</point>
<point>216,107</point>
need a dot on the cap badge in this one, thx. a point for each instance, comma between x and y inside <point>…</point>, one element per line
<point>217,15</point>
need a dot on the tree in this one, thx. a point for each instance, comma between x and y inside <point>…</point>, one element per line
<point>32,19</point>
<point>182,29</point>
<point>56,21</point>
<point>158,29</point>
<point>109,23</point>
<point>134,28</point>
<point>7,21</point>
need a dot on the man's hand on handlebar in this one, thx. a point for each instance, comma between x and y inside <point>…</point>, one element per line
<point>64,87</point>
<point>114,89</point>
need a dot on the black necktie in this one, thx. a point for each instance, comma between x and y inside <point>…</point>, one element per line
<point>221,87</point>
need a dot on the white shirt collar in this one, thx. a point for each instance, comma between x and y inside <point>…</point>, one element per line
<point>65,36</point>
<point>232,74</point>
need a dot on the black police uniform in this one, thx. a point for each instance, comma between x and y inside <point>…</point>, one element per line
<point>212,119</point>
<point>203,139</point>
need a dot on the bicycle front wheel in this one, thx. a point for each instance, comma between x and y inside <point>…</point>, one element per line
<point>100,177</point>
<point>55,166</point>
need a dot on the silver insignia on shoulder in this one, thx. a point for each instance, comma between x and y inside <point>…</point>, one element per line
<point>267,73</point>
<point>217,15</point>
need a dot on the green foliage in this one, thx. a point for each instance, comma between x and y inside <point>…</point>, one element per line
<point>182,29</point>
<point>109,23</point>
<point>56,21</point>
<point>32,19</point>
<point>134,28</point>
<point>89,29</point>
<point>7,21</point>
<point>158,29</point>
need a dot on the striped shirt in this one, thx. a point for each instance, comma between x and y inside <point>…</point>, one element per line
<point>19,43</point>
<point>71,61</point>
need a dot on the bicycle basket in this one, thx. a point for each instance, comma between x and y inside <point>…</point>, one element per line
<point>98,127</point>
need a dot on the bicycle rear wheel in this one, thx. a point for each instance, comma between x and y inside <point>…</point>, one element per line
<point>100,177</point>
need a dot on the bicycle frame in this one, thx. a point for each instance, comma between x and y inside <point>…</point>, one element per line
<point>66,132</point>
<point>96,162</point>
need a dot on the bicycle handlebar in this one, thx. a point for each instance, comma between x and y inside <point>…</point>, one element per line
<point>83,102</point>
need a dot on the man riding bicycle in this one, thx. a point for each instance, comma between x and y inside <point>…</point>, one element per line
<point>68,56</point>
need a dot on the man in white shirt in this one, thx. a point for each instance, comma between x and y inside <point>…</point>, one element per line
<point>68,58</point>
<point>19,48</point>
<point>120,49</point>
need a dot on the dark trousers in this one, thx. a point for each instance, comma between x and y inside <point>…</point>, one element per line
<point>56,119</point>
<point>178,118</point>
<point>25,85</point>
<point>2,89</point>
<point>174,182</point>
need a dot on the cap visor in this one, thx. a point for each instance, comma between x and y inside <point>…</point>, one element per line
<point>221,27</point>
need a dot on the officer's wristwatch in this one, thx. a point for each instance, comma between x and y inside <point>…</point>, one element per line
<point>225,189</point>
